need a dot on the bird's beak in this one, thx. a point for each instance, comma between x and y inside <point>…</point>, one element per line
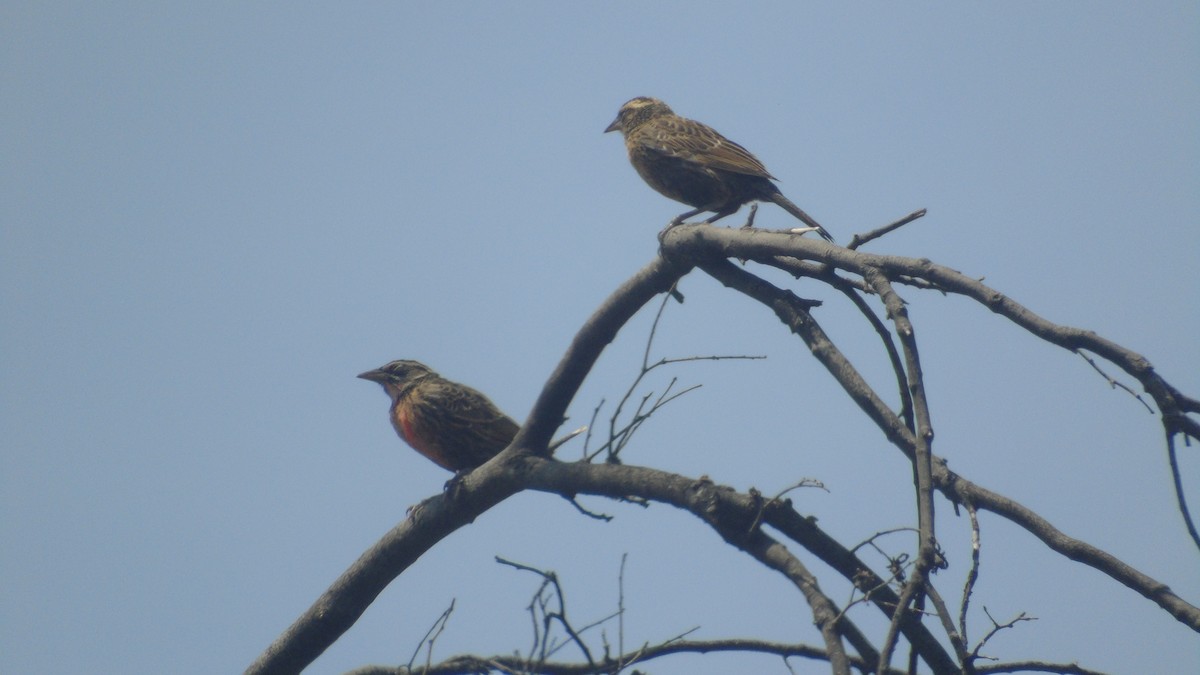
<point>615,126</point>
<point>372,375</point>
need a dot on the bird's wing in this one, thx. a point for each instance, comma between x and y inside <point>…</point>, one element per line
<point>699,144</point>
<point>475,415</point>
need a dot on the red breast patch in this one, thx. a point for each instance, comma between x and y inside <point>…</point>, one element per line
<point>404,426</point>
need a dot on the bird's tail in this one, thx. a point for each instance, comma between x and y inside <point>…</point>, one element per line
<point>791,208</point>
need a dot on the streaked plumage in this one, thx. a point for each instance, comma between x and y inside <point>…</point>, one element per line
<point>691,163</point>
<point>452,424</point>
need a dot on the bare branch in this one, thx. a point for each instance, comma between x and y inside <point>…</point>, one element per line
<point>1037,667</point>
<point>1112,382</point>
<point>1177,481</point>
<point>590,514</point>
<point>431,637</point>
<point>973,573</point>
<point>473,665</point>
<point>956,639</point>
<point>729,513</point>
<point>621,607</point>
<point>621,434</point>
<point>559,616</point>
<point>339,607</point>
<point>702,242</point>
<point>996,628</point>
<point>802,483</point>
<point>852,290</point>
<point>596,333</point>
<point>860,239</point>
<point>463,665</point>
<point>526,463</point>
<point>922,464</point>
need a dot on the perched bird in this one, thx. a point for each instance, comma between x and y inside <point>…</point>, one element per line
<point>450,423</point>
<point>691,163</point>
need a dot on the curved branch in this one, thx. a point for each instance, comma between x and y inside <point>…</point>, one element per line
<point>431,521</point>
<point>961,491</point>
<point>786,304</point>
<point>472,665</point>
<point>714,505</point>
<point>595,334</point>
<point>922,472</point>
<point>344,602</point>
<point>704,243</point>
<point>464,665</point>
<point>520,466</point>
<point>732,514</point>
<point>851,289</point>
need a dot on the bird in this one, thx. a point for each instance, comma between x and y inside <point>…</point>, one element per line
<point>455,426</point>
<point>692,163</point>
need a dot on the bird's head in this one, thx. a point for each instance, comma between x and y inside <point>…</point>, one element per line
<point>398,376</point>
<point>636,112</point>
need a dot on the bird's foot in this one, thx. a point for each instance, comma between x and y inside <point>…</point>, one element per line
<point>675,222</point>
<point>803,230</point>
<point>454,485</point>
<point>675,293</point>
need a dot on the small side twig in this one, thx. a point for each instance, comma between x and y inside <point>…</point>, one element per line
<point>549,578</point>
<point>619,435</point>
<point>996,628</point>
<point>1177,479</point>
<point>557,443</point>
<point>803,483</point>
<point>1112,382</point>
<point>957,640</point>
<point>860,239</point>
<point>973,573</point>
<point>621,607</point>
<point>585,511</point>
<point>430,637</point>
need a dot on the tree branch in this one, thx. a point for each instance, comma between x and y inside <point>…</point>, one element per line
<point>339,607</point>
<point>705,243</point>
<point>525,463</point>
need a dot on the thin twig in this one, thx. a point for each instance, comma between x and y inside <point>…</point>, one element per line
<point>1112,382</point>
<point>803,483</point>
<point>560,616</point>
<point>956,638</point>
<point>973,573</point>
<point>557,443</point>
<point>858,240</point>
<point>621,608</point>
<point>619,436</point>
<point>996,628</point>
<point>922,458</point>
<point>1177,479</point>
<point>590,514</point>
<point>587,440</point>
<point>435,629</point>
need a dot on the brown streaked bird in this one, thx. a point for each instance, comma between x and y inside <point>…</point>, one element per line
<point>450,423</point>
<point>691,163</point>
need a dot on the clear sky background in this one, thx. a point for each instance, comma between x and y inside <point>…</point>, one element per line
<point>214,215</point>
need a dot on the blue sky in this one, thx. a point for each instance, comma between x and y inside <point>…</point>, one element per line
<point>214,216</point>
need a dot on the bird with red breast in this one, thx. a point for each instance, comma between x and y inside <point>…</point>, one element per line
<point>453,425</point>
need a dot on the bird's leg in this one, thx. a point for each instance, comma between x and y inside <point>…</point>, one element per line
<point>721,214</point>
<point>750,217</point>
<point>678,220</point>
